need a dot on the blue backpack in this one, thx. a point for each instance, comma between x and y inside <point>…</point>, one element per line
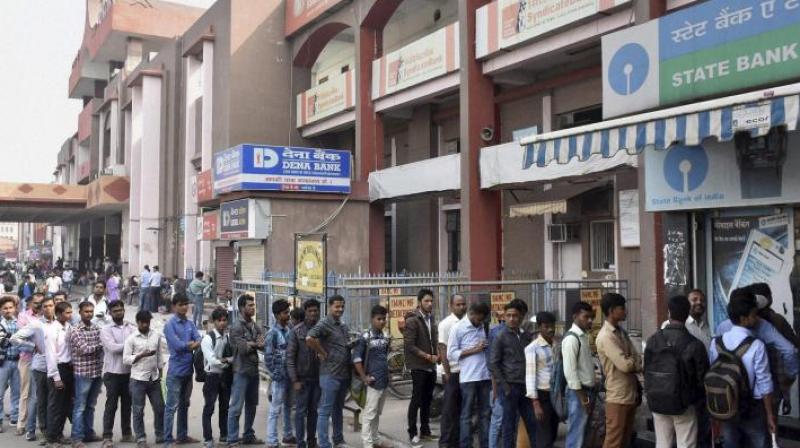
<point>558,382</point>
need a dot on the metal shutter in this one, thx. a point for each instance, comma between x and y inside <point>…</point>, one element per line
<point>252,262</point>
<point>224,268</point>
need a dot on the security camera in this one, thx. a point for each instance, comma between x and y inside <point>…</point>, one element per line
<point>487,134</point>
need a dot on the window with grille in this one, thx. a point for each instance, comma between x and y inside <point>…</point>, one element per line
<point>602,246</point>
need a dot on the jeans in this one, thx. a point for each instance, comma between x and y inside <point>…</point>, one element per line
<point>422,383</point>
<point>703,426</point>
<point>117,390</point>
<point>331,406</point>
<point>280,405</point>
<point>305,417</point>
<point>244,392</point>
<point>576,419</point>
<point>475,393</point>
<point>517,405</point>
<point>451,410</point>
<point>197,311</point>
<point>496,422</point>
<point>59,403</point>
<point>216,387</point>
<point>371,416</point>
<point>750,432</point>
<point>86,392</point>
<point>9,378</point>
<point>154,299</point>
<point>144,294</point>
<point>40,398</point>
<point>152,391</point>
<point>179,391</point>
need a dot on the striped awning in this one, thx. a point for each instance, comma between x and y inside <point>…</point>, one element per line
<point>688,125</point>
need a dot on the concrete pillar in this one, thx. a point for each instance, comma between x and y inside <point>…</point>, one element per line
<point>480,210</point>
<point>101,136</point>
<point>190,209</point>
<point>134,163</point>
<point>547,126</point>
<point>134,52</point>
<point>207,145</point>
<point>150,225</point>
<point>124,243</point>
<point>126,145</point>
<point>115,125</point>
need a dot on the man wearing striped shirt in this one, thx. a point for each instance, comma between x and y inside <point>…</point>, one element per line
<point>9,373</point>
<point>87,362</point>
<point>538,371</point>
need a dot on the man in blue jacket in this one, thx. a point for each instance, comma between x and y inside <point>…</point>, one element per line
<point>275,359</point>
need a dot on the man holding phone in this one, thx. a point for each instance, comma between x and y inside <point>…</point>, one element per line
<point>143,353</point>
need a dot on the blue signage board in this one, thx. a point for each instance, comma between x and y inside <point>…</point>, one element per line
<point>282,168</point>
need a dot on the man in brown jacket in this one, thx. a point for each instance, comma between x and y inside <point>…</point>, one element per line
<point>419,344</point>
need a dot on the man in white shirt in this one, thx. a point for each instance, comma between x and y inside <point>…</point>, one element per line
<point>60,380</point>
<point>143,353</point>
<point>219,376</point>
<point>66,277</point>
<point>697,323</point>
<point>578,371</point>
<point>53,283</point>
<point>451,405</point>
<point>538,372</point>
<point>98,299</point>
<point>155,290</point>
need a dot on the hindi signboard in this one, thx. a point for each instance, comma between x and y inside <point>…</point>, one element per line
<point>399,306</point>
<point>336,95</point>
<point>310,264</point>
<point>498,301</point>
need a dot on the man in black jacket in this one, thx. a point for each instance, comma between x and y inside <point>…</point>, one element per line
<point>303,367</point>
<point>695,360</point>
<point>420,337</point>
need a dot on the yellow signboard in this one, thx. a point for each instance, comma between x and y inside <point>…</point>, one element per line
<point>399,306</point>
<point>499,301</point>
<point>310,266</point>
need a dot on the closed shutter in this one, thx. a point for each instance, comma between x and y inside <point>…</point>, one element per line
<point>224,258</point>
<point>252,262</point>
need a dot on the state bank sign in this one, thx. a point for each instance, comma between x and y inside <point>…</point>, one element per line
<point>282,168</point>
<point>712,48</point>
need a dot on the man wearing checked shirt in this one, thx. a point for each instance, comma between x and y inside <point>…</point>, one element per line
<point>87,362</point>
<point>9,374</point>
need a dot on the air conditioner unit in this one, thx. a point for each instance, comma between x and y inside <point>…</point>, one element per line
<point>557,233</point>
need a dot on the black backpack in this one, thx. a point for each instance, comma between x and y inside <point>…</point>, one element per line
<point>199,360</point>
<point>666,377</point>
<point>727,385</point>
<point>558,382</point>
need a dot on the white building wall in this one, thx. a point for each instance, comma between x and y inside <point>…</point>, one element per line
<point>150,170</point>
<point>135,160</point>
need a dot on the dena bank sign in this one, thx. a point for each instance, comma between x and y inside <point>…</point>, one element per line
<point>709,49</point>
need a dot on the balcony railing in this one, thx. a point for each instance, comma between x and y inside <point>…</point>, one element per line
<point>328,99</point>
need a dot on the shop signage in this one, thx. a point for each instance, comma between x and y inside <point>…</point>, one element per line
<point>709,176</point>
<point>205,186</point>
<point>714,47</point>
<point>752,249</point>
<point>498,301</point>
<point>429,57</point>
<point>245,219</point>
<point>629,218</point>
<point>282,168</point>
<point>399,306</point>
<point>504,23</point>
<point>302,12</point>
<point>310,264</point>
<point>211,225</point>
<point>321,101</point>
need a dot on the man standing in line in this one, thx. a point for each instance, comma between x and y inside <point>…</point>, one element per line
<point>371,361</point>
<point>496,398</point>
<point>144,288</point>
<point>303,367</point>
<point>275,360</point>
<point>330,339</point>
<point>182,340</point>
<point>419,345</point>
<point>87,362</point>
<point>60,379</point>
<point>507,364</point>
<point>26,397</point>
<point>116,375</point>
<point>451,404</point>
<point>197,289</point>
<point>467,345</point>
<point>9,373</point>
<point>621,363</point>
<point>31,337</point>
<point>579,372</point>
<point>155,294</point>
<point>98,299</point>
<point>53,283</point>
<point>217,364</point>
<point>538,373</point>
<point>143,352</point>
<point>247,339</point>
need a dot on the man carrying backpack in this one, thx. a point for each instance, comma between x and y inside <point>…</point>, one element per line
<point>738,358</point>
<point>217,360</point>
<point>675,363</point>
<point>578,368</point>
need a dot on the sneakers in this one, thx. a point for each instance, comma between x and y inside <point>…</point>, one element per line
<point>30,437</point>
<point>107,443</point>
<point>430,436</point>
<point>20,431</point>
<point>289,441</point>
<point>416,442</point>
<point>209,444</point>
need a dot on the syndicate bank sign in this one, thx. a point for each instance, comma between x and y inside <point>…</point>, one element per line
<point>715,47</point>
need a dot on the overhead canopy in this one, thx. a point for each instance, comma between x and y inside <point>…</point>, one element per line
<point>434,175</point>
<point>537,208</point>
<point>754,112</point>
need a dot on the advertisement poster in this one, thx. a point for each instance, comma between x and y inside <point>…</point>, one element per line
<point>210,225</point>
<point>426,58</point>
<point>498,301</point>
<point>710,176</point>
<point>234,221</point>
<point>310,267</point>
<point>713,47</point>
<point>752,249</point>
<point>282,168</point>
<point>322,101</point>
<point>399,306</point>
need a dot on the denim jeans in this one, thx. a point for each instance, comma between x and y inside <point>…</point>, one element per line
<point>496,422</point>
<point>244,393</point>
<point>280,400</point>
<point>179,391</point>
<point>30,423</point>
<point>151,390</point>
<point>517,405</point>
<point>197,311</point>
<point>144,294</point>
<point>576,419</point>
<point>747,432</point>
<point>216,388</point>
<point>305,417</point>
<point>451,413</point>
<point>331,406</point>
<point>9,378</point>
<point>475,393</point>
<point>86,392</point>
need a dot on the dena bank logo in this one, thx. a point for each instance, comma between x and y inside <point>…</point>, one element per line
<point>265,158</point>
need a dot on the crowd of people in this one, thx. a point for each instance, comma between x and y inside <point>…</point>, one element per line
<point>502,384</point>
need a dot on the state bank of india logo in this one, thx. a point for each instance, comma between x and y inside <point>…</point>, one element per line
<point>628,69</point>
<point>685,167</point>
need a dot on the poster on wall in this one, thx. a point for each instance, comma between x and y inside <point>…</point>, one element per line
<point>399,306</point>
<point>498,302</point>
<point>752,249</point>
<point>310,263</point>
